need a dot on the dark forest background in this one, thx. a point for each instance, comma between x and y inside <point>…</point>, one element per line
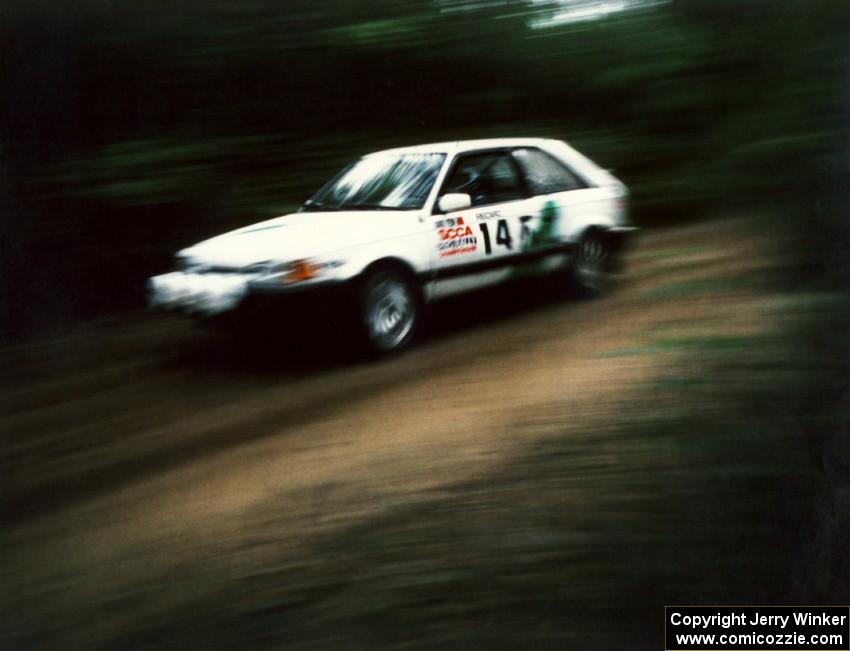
<point>130,129</point>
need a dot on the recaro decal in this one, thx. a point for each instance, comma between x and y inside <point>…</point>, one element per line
<point>489,214</point>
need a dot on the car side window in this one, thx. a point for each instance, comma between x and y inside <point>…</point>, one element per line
<point>487,178</point>
<point>544,174</point>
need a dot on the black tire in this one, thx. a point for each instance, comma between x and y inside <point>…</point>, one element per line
<point>387,311</point>
<point>590,268</point>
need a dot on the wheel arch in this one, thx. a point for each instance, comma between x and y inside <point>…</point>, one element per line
<point>398,265</point>
<point>615,238</point>
<point>591,229</point>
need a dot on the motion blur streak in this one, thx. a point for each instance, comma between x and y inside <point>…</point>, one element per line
<point>536,473</point>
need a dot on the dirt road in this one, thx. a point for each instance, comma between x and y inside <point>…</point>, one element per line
<point>166,486</point>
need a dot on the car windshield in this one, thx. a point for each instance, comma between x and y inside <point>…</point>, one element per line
<point>380,182</point>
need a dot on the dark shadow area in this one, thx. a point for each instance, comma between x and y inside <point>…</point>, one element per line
<point>259,353</point>
<point>275,342</point>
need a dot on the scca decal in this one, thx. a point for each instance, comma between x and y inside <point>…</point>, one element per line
<point>456,237</point>
<point>452,233</point>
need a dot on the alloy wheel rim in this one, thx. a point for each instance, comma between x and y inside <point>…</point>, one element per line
<point>390,315</point>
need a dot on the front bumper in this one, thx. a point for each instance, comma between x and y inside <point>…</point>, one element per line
<point>210,294</point>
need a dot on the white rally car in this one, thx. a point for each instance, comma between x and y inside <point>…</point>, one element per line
<point>400,228</point>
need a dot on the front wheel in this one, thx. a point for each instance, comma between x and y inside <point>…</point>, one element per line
<point>388,311</point>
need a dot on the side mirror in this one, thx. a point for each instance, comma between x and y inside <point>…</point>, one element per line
<point>454,201</point>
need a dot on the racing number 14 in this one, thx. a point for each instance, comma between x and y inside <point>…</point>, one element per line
<point>503,235</point>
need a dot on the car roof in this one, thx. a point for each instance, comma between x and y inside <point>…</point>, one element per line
<point>457,146</point>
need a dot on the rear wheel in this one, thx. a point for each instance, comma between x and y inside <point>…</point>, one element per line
<point>590,269</point>
<point>388,311</point>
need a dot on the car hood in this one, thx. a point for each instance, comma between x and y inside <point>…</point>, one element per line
<point>301,235</point>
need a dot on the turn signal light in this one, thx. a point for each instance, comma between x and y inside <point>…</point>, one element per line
<point>301,270</point>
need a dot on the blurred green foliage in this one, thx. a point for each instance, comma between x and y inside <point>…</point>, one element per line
<point>130,129</point>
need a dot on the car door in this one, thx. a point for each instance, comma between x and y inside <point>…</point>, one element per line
<point>477,246</point>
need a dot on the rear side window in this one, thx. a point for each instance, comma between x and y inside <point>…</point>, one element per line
<point>544,174</point>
